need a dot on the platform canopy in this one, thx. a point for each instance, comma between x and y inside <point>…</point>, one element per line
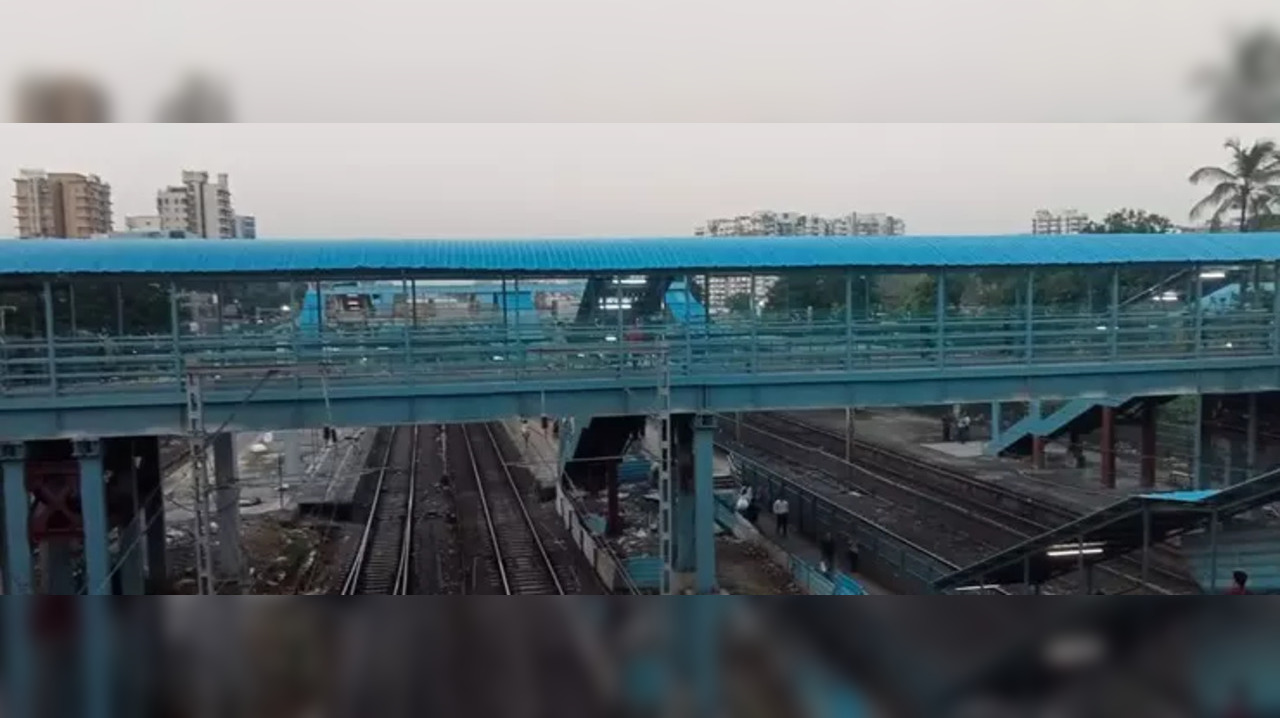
<point>1121,528</point>
<point>312,258</point>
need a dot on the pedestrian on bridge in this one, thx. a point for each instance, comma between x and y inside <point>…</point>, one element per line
<point>781,514</point>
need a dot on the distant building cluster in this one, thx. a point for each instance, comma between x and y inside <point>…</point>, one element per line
<point>1067,221</point>
<point>785,224</point>
<point>795,224</point>
<point>72,205</point>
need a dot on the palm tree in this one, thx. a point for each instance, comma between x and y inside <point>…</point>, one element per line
<point>1252,185</point>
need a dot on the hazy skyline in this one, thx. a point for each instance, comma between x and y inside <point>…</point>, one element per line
<point>315,180</point>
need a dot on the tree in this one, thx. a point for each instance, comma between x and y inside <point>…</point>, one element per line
<point>739,303</point>
<point>1130,221</point>
<point>1251,186</point>
<point>820,292</point>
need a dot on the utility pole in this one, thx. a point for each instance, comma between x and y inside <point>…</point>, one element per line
<point>199,443</point>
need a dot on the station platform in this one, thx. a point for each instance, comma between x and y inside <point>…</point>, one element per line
<point>920,436</point>
<point>332,473</point>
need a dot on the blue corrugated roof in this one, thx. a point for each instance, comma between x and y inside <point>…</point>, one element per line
<point>619,254</point>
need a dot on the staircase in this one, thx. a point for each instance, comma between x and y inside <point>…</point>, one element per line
<point>600,443</point>
<point>1252,548</point>
<point>1081,415</point>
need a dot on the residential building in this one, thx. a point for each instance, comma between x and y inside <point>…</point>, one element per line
<point>197,206</point>
<point>785,224</point>
<point>142,223</point>
<point>1068,221</point>
<point>61,98</point>
<point>246,226</point>
<point>61,204</point>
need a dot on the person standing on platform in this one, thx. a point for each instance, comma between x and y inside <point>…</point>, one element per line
<point>524,432</point>
<point>781,511</point>
<point>962,429</point>
<point>947,420</point>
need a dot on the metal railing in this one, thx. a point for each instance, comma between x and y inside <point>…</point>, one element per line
<point>469,352</point>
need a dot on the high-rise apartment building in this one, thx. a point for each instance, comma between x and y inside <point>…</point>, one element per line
<point>246,226</point>
<point>1068,221</point>
<point>786,224</point>
<point>197,206</point>
<point>61,204</point>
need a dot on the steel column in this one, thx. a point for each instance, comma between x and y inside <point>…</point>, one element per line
<point>151,494</point>
<point>1037,441</point>
<point>848,319</point>
<point>755,321</point>
<point>1198,311</point>
<point>940,318</point>
<point>1147,458</point>
<point>1197,442</point>
<point>93,509</point>
<point>1108,473</point>
<point>848,433</point>
<point>226,499</point>
<point>56,563</point>
<point>1030,313</point>
<point>119,310</point>
<point>17,510</point>
<point>704,428</point>
<point>1275,307</point>
<point>1146,541</point>
<point>684,499</point>
<point>1113,337</point>
<point>995,421</point>
<point>19,644</point>
<point>132,548</point>
<point>175,329</point>
<point>1251,437</point>
<point>1213,552</point>
<point>49,338</point>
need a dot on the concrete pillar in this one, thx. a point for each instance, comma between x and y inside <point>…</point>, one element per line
<point>1108,463</point>
<point>151,499</point>
<point>1147,461</point>
<point>17,511</point>
<point>292,453</point>
<point>705,510</point>
<point>226,510</point>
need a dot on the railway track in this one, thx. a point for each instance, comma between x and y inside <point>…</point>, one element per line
<point>1000,517</point>
<point>508,554</point>
<point>383,558</point>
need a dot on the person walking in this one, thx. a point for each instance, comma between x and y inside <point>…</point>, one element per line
<point>524,432</point>
<point>827,547</point>
<point>781,511</point>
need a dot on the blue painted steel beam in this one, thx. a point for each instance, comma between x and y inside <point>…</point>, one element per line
<point>95,622</point>
<point>138,412</point>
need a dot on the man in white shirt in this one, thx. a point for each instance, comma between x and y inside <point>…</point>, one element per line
<point>781,512</point>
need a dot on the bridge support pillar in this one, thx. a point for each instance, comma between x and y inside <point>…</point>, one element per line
<point>151,500</point>
<point>704,430</point>
<point>57,565</point>
<point>19,644</point>
<point>613,515</point>
<point>17,511</point>
<point>1147,460</point>
<point>95,618</point>
<point>848,433</point>
<point>684,521</point>
<point>1108,449</point>
<point>1037,442</point>
<point>996,426</point>
<point>1251,438</point>
<point>226,501</point>
<point>133,549</point>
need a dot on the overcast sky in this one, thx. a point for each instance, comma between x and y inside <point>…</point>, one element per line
<point>650,60</point>
<point>525,180</point>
